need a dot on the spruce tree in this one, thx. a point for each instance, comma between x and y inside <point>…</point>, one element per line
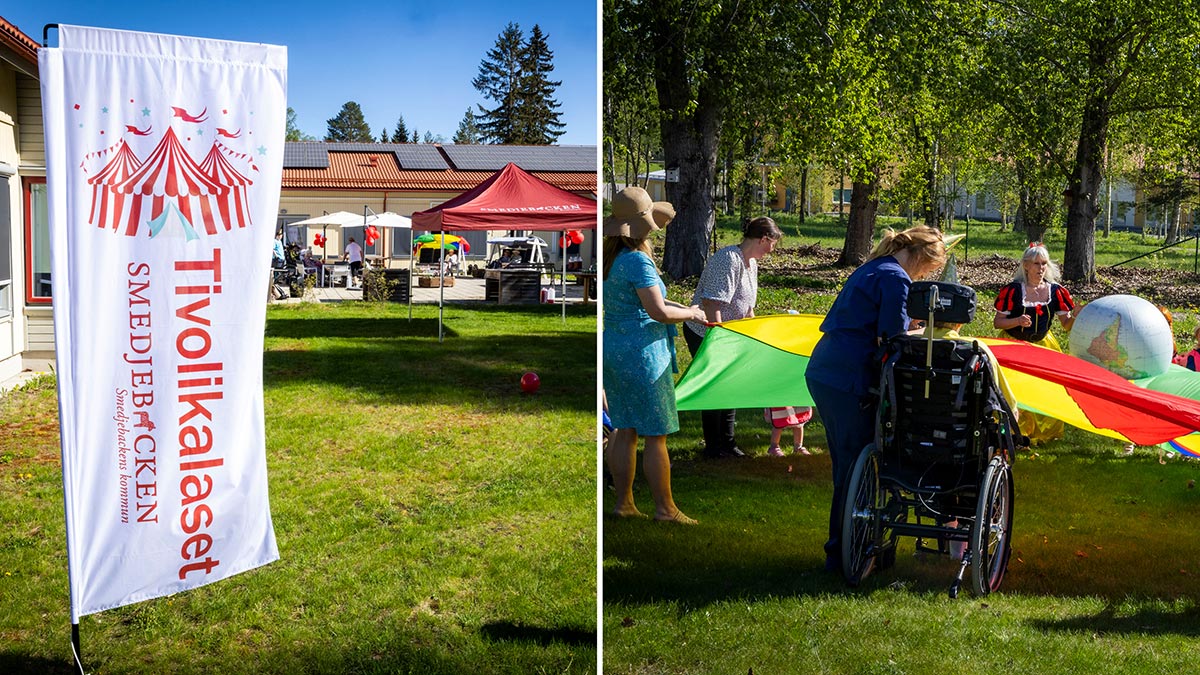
<point>538,118</point>
<point>349,126</point>
<point>468,132</point>
<point>416,137</point>
<point>400,135</point>
<point>499,80</point>
<point>383,136</point>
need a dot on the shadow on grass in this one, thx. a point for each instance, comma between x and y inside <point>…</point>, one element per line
<point>763,523</point>
<point>402,361</point>
<point>351,327</point>
<point>505,631</point>
<point>15,663</point>
<point>551,650</point>
<point>1142,622</point>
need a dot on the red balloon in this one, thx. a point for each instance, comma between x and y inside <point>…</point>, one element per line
<point>530,382</point>
<point>576,236</point>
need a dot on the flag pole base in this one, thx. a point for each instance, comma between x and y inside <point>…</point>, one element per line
<point>75,648</point>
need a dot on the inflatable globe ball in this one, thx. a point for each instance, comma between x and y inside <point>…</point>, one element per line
<point>1124,334</point>
<point>530,383</point>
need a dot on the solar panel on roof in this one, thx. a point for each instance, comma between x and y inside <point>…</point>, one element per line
<point>306,155</point>
<point>528,157</point>
<point>419,157</point>
<point>422,157</point>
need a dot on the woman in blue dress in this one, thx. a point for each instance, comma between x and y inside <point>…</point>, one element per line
<point>639,352</point>
<point>869,308</point>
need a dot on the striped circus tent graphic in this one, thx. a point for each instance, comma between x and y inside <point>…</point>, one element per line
<point>235,207</point>
<point>136,193</point>
<point>105,201</point>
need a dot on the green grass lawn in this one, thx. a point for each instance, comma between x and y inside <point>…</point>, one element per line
<point>431,518</point>
<point>1105,575</point>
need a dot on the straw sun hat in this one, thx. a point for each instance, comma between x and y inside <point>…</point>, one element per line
<point>635,215</point>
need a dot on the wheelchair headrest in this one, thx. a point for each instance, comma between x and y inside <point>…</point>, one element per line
<point>955,303</point>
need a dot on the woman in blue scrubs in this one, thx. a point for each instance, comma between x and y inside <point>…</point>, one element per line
<point>869,309</point>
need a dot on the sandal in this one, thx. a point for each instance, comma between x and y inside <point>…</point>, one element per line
<point>801,450</point>
<point>775,451</point>
<point>677,518</point>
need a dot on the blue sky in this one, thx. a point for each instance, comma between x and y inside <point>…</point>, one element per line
<point>415,59</point>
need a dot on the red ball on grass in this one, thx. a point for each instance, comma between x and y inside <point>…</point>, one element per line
<point>530,383</point>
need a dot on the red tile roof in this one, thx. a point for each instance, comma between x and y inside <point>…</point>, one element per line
<point>357,171</point>
<point>18,41</point>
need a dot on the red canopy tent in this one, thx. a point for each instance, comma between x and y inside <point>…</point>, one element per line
<point>511,199</point>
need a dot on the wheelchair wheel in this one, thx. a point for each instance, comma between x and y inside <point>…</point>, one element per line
<point>991,542</point>
<point>861,517</point>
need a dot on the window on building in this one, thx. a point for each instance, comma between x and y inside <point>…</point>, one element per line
<point>842,196</point>
<point>400,240</point>
<point>291,233</point>
<point>5,247</point>
<point>37,242</point>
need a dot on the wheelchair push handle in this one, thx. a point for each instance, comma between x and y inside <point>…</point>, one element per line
<point>933,304</point>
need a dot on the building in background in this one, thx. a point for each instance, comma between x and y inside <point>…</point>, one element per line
<point>26,326</point>
<point>404,178</point>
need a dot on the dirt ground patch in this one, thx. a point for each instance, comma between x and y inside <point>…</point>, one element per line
<point>986,274</point>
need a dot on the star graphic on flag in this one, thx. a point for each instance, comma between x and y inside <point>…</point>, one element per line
<point>104,109</point>
<point>199,132</point>
<point>262,150</point>
<point>145,112</point>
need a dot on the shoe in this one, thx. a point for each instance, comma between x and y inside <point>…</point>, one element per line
<point>801,450</point>
<point>734,451</point>
<point>774,451</point>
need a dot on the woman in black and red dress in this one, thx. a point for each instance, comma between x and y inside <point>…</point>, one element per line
<point>1024,310</point>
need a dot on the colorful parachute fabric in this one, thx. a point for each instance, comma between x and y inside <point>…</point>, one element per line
<point>760,362</point>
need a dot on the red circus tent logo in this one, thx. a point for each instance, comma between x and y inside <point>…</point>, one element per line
<point>212,195</point>
<point>107,203</point>
<point>235,208</point>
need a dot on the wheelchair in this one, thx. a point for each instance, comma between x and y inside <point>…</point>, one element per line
<point>939,469</point>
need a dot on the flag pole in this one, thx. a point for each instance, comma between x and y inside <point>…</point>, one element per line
<point>441,278</point>
<point>411,262</point>
<point>364,280</point>
<point>75,649</point>
<point>563,241</point>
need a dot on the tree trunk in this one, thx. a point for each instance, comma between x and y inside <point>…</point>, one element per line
<point>803,194</point>
<point>1079,261</point>
<point>842,199</point>
<point>612,169</point>
<point>1107,192</point>
<point>932,212</point>
<point>864,202</point>
<point>1175,213</point>
<point>1040,205</point>
<point>1022,197</point>
<point>726,181</point>
<point>690,144</point>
